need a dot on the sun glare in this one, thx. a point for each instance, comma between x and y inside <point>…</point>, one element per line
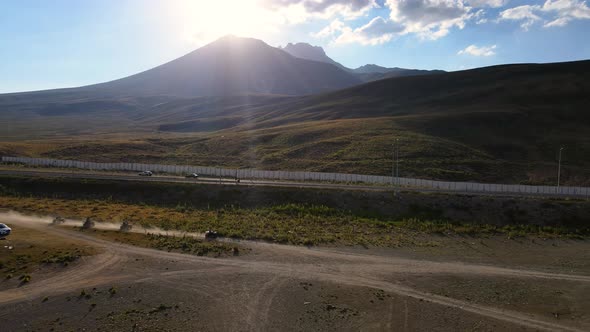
<point>203,21</point>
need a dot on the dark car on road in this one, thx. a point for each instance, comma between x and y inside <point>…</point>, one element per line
<point>192,175</point>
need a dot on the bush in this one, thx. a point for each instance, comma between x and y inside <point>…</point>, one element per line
<point>25,278</point>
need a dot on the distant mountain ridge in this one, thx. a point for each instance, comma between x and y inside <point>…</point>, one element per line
<point>232,66</point>
<point>367,73</point>
<point>372,68</point>
<point>310,52</point>
<point>229,66</point>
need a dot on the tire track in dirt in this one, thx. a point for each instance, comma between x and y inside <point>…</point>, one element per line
<point>319,273</point>
<point>338,259</point>
<point>91,271</point>
<point>337,267</point>
<point>259,308</point>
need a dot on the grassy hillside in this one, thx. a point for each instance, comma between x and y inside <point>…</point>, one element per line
<point>503,123</point>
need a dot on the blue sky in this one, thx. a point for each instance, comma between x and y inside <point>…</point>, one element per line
<point>65,43</point>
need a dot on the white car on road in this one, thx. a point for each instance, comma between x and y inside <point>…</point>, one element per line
<point>146,173</point>
<point>4,230</point>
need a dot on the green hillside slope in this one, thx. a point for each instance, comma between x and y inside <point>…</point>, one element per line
<point>502,123</point>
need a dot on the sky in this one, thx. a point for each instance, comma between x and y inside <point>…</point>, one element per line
<point>68,43</point>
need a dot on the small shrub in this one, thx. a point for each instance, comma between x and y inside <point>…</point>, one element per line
<point>160,308</point>
<point>25,278</point>
<point>59,258</point>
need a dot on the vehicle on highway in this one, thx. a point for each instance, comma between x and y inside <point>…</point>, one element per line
<point>146,173</point>
<point>192,175</point>
<point>210,235</point>
<point>4,231</point>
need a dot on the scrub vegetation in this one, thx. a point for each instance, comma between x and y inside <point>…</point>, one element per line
<point>27,249</point>
<point>182,244</point>
<point>290,224</point>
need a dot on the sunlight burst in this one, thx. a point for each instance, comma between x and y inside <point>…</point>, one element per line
<point>203,21</point>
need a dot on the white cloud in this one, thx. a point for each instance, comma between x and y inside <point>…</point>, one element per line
<point>427,19</point>
<point>478,51</point>
<point>378,31</point>
<point>330,30</point>
<point>487,3</point>
<point>525,13</point>
<point>479,17</point>
<point>555,13</point>
<point>302,10</point>
<point>430,19</point>
<point>559,22</point>
<point>566,11</point>
<point>568,8</point>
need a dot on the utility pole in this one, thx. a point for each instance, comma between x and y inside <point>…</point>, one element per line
<point>392,164</point>
<point>559,167</point>
<point>397,162</point>
<point>395,165</point>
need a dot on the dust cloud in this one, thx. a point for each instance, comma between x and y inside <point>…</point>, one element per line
<point>13,218</point>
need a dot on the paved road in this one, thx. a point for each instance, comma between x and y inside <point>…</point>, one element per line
<point>229,181</point>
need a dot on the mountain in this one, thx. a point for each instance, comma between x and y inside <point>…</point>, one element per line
<point>372,69</point>
<point>232,66</point>
<point>309,52</point>
<point>366,73</point>
<point>496,124</point>
<point>371,72</point>
<point>228,66</point>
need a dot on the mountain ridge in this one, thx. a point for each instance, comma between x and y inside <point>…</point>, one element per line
<point>367,73</point>
<point>233,66</point>
<point>310,52</point>
<point>500,123</point>
<point>228,66</point>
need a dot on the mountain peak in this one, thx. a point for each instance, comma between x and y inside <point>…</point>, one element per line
<point>318,51</point>
<point>230,40</point>
<point>310,52</point>
<point>234,65</point>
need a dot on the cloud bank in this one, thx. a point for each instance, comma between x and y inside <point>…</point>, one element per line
<point>432,19</point>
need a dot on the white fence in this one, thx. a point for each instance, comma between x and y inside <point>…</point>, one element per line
<point>308,176</point>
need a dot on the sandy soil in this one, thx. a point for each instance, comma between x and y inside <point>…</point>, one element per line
<point>296,288</point>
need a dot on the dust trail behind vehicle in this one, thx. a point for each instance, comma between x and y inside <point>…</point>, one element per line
<point>36,220</point>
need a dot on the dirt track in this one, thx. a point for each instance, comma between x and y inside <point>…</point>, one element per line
<point>254,292</point>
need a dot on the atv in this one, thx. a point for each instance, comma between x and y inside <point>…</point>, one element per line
<point>211,235</point>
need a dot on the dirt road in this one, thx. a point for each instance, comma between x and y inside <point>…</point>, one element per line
<point>268,290</point>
